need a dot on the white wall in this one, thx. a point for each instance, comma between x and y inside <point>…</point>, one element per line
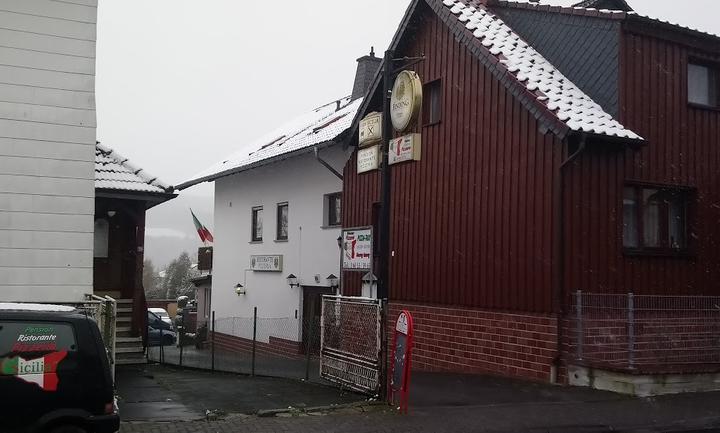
<point>310,250</point>
<point>47,149</point>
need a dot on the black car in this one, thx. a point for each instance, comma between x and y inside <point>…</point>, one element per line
<point>54,372</point>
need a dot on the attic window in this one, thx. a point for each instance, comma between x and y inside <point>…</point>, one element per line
<point>704,84</point>
<point>328,123</point>
<point>272,142</point>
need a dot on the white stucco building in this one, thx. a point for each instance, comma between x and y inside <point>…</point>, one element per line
<point>277,212</point>
<point>47,149</point>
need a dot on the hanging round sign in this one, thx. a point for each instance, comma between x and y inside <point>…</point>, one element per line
<point>406,100</point>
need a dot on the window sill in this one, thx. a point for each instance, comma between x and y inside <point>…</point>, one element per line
<point>281,240</point>
<point>703,106</point>
<point>255,242</point>
<point>684,254</point>
<point>427,125</point>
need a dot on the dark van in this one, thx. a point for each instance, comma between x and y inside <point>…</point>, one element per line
<point>54,372</point>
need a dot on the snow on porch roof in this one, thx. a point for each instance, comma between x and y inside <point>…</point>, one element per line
<point>115,172</point>
<point>321,125</point>
<point>561,96</point>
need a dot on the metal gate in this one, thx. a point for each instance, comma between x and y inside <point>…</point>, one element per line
<point>351,342</point>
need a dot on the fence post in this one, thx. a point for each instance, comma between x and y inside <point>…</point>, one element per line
<point>254,340</point>
<point>182,334</point>
<point>162,347</point>
<point>579,324</point>
<point>310,336</point>
<point>212,345</point>
<point>631,330</point>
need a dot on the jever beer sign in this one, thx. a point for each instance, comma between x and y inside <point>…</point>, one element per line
<point>406,100</point>
<point>370,130</point>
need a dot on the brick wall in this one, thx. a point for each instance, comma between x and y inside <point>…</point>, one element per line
<point>519,345</point>
<point>276,346</point>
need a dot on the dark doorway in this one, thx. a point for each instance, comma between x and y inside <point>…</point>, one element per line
<point>312,309</point>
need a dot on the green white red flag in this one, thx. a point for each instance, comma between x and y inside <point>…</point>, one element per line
<point>203,232</point>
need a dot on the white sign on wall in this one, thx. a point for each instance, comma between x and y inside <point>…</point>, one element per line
<point>368,159</point>
<point>405,148</point>
<point>266,263</point>
<point>370,129</point>
<point>357,246</point>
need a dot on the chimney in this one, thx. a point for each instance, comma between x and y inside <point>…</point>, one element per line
<point>366,69</point>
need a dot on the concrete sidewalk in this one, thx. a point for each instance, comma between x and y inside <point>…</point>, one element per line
<point>439,403</point>
<point>160,393</point>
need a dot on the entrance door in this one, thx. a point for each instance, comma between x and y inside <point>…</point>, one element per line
<point>312,309</point>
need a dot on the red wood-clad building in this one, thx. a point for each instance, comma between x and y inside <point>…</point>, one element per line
<point>563,149</point>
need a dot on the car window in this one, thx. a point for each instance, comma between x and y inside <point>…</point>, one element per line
<point>35,338</point>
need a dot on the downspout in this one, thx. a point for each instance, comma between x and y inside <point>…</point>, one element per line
<point>559,292</point>
<point>327,164</point>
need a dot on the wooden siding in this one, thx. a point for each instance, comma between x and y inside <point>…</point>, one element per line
<point>682,149</point>
<point>47,148</point>
<point>472,222</point>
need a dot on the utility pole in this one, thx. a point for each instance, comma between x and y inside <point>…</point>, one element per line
<point>383,289</point>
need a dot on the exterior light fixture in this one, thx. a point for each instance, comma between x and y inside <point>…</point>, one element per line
<point>293,281</point>
<point>239,289</point>
<point>332,280</point>
<point>111,213</point>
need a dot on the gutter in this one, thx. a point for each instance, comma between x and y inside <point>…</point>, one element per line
<point>326,164</point>
<point>559,290</point>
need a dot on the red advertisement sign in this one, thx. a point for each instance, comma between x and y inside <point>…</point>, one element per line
<point>400,362</point>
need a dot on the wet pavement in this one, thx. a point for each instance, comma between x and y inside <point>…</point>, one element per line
<point>162,393</point>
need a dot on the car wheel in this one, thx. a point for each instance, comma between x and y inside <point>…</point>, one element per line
<point>68,429</point>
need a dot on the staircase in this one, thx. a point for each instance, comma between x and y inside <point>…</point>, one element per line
<point>128,349</point>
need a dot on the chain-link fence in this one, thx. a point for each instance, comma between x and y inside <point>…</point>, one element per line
<point>652,334</point>
<point>257,345</point>
<point>351,336</point>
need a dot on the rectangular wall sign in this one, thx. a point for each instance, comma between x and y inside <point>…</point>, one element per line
<point>405,148</point>
<point>368,159</point>
<point>357,246</point>
<point>370,129</point>
<point>266,263</point>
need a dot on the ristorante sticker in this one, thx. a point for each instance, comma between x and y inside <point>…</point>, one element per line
<point>36,339</point>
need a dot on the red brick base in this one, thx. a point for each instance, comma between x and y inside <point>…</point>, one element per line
<point>276,347</point>
<point>519,345</point>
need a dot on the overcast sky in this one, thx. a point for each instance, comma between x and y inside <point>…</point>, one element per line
<point>181,84</point>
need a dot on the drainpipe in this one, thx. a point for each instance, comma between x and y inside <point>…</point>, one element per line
<point>327,164</point>
<point>559,290</point>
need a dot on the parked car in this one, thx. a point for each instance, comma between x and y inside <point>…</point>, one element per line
<point>54,372</point>
<point>162,313</point>
<point>159,331</point>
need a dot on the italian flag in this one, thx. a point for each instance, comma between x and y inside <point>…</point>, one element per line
<point>40,371</point>
<point>203,232</point>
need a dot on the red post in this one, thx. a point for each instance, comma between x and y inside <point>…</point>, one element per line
<point>399,377</point>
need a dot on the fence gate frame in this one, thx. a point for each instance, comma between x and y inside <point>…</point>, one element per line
<point>354,370</point>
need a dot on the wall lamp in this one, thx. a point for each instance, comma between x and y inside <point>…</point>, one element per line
<point>239,289</point>
<point>332,280</point>
<point>293,281</point>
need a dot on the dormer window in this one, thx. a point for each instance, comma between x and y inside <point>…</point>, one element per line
<point>703,88</point>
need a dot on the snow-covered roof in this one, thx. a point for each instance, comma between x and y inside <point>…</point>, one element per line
<point>115,172</point>
<point>561,96</point>
<point>321,125</point>
<point>17,306</point>
<point>579,9</point>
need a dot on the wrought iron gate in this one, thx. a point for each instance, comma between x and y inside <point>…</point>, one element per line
<point>351,342</point>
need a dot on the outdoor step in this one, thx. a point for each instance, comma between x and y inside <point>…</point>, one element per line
<point>124,310</point>
<point>129,360</point>
<point>119,340</point>
<point>130,349</point>
<point>124,318</point>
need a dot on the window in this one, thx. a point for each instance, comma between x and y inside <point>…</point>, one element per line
<point>30,339</point>
<point>282,222</point>
<point>257,224</point>
<point>703,85</point>
<point>432,102</point>
<point>655,218</point>
<point>101,238</point>
<point>333,211</point>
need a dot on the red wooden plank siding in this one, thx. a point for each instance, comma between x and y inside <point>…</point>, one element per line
<point>682,149</point>
<point>472,221</point>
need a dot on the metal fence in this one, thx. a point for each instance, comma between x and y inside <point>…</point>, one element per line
<point>351,342</point>
<point>257,345</point>
<point>642,333</point>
